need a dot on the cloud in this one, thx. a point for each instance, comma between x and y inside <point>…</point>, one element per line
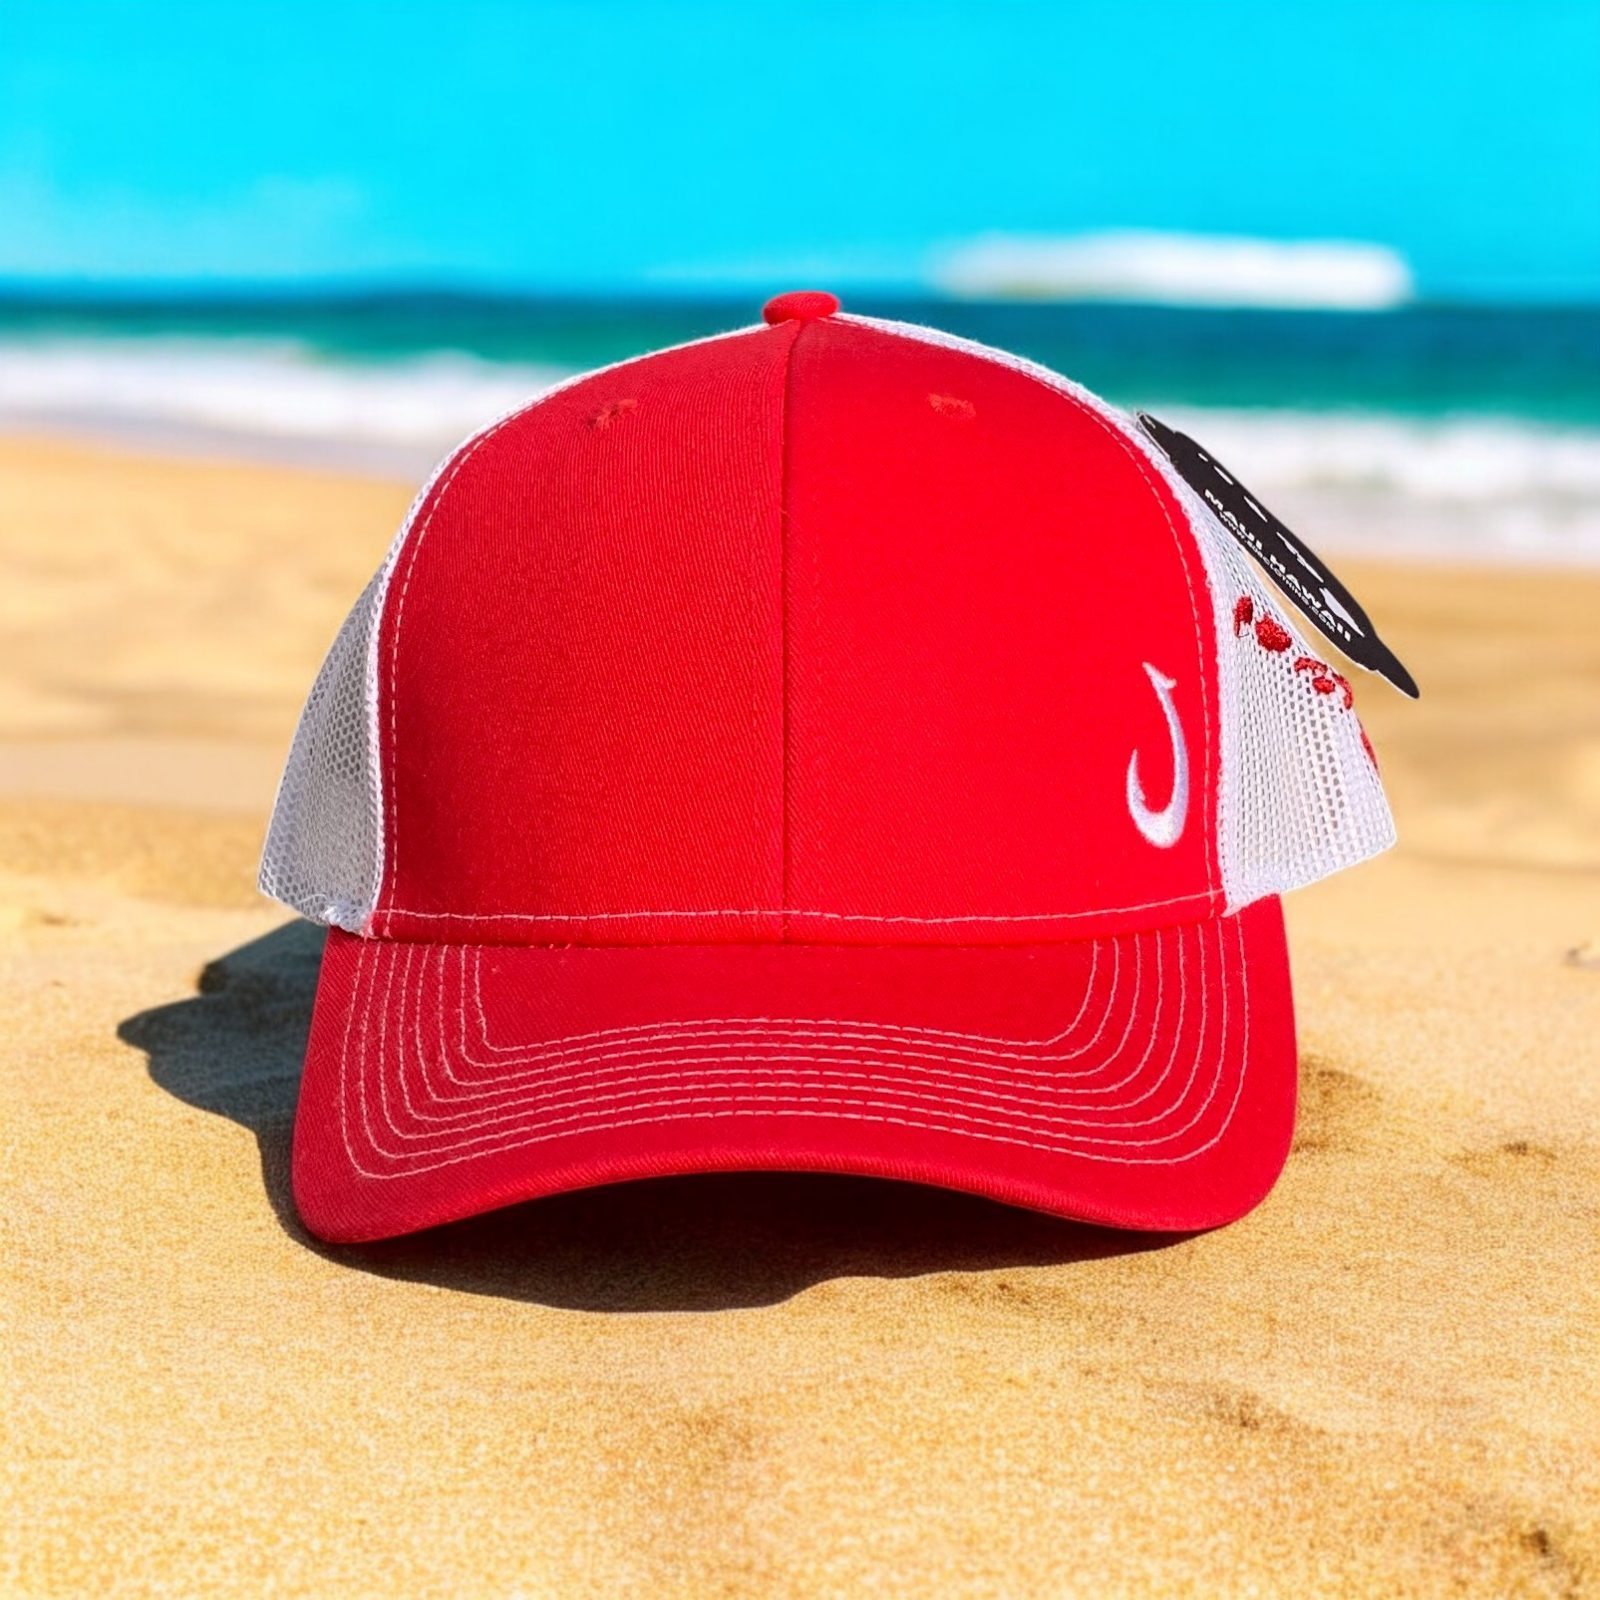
<point>1176,269</point>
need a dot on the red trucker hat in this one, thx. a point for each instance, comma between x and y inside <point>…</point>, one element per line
<point>830,746</point>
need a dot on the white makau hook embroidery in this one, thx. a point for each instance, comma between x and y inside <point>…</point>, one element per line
<point>1162,828</point>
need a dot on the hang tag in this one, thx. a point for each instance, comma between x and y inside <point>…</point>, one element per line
<point>1300,573</point>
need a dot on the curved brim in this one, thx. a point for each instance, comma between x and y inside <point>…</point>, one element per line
<point>1142,1081</point>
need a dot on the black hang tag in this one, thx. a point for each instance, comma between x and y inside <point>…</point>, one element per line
<point>1302,575</point>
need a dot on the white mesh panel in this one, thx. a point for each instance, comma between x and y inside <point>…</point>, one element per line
<point>324,853</point>
<point>1300,796</point>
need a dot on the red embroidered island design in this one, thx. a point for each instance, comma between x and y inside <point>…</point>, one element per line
<point>1271,635</point>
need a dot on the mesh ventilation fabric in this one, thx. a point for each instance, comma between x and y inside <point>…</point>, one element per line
<point>324,853</point>
<point>1301,797</point>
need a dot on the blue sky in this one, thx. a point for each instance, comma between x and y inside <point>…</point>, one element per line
<point>604,145</point>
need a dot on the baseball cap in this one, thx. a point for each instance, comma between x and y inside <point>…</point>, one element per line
<point>830,745</point>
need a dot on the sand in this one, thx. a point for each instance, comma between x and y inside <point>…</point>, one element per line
<point>1384,1381</point>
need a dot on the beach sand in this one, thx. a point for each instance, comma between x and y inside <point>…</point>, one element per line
<point>1383,1381</point>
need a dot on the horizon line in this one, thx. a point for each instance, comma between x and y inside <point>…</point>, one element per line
<point>113,293</point>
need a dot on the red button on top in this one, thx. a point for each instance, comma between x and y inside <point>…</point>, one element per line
<point>799,305</point>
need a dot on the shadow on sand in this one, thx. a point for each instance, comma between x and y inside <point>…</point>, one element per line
<point>669,1244</point>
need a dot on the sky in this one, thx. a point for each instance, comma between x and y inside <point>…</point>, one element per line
<point>604,146</point>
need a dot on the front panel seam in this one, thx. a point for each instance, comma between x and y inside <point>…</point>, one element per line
<point>786,896</point>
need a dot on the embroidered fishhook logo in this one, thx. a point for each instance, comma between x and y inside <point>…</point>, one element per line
<point>1162,828</point>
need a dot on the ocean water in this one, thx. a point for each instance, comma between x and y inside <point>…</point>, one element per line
<point>1463,431</point>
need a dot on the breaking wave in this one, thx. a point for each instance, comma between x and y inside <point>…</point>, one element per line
<point>1475,486</point>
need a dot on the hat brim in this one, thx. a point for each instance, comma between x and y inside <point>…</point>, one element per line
<point>1140,1081</point>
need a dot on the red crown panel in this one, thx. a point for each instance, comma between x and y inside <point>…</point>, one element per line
<point>812,633</point>
<point>580,667</point>
<point>978,568</point>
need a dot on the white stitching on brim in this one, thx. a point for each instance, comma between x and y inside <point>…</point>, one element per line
<point>580,1123</point>
<point>903,1068</point>
<point>978,1043</point>
<point>613,1059</point>
<point>622,1064</point>
<point>801,1098</point>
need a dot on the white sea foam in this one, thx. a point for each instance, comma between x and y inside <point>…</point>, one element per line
<point>276,398</point>
<point>1177,269</point>
<point>1473,487</point>
<point>1476,487</point>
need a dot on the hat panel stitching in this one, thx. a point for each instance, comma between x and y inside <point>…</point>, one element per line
<point>905,1063</point>
<point>793,1105</point>
<point>1205,897</point>
<point>393,864</point>
<point>828,1031</point>
<point>614,1062</point>
<point>856,1026</point>
<point>793,1100</point>
<point>411,1002</point>
<point>564,1092</point>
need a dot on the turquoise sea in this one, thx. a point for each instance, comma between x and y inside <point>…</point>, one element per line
<point>1531,362</point>
<point>1462,429</point>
